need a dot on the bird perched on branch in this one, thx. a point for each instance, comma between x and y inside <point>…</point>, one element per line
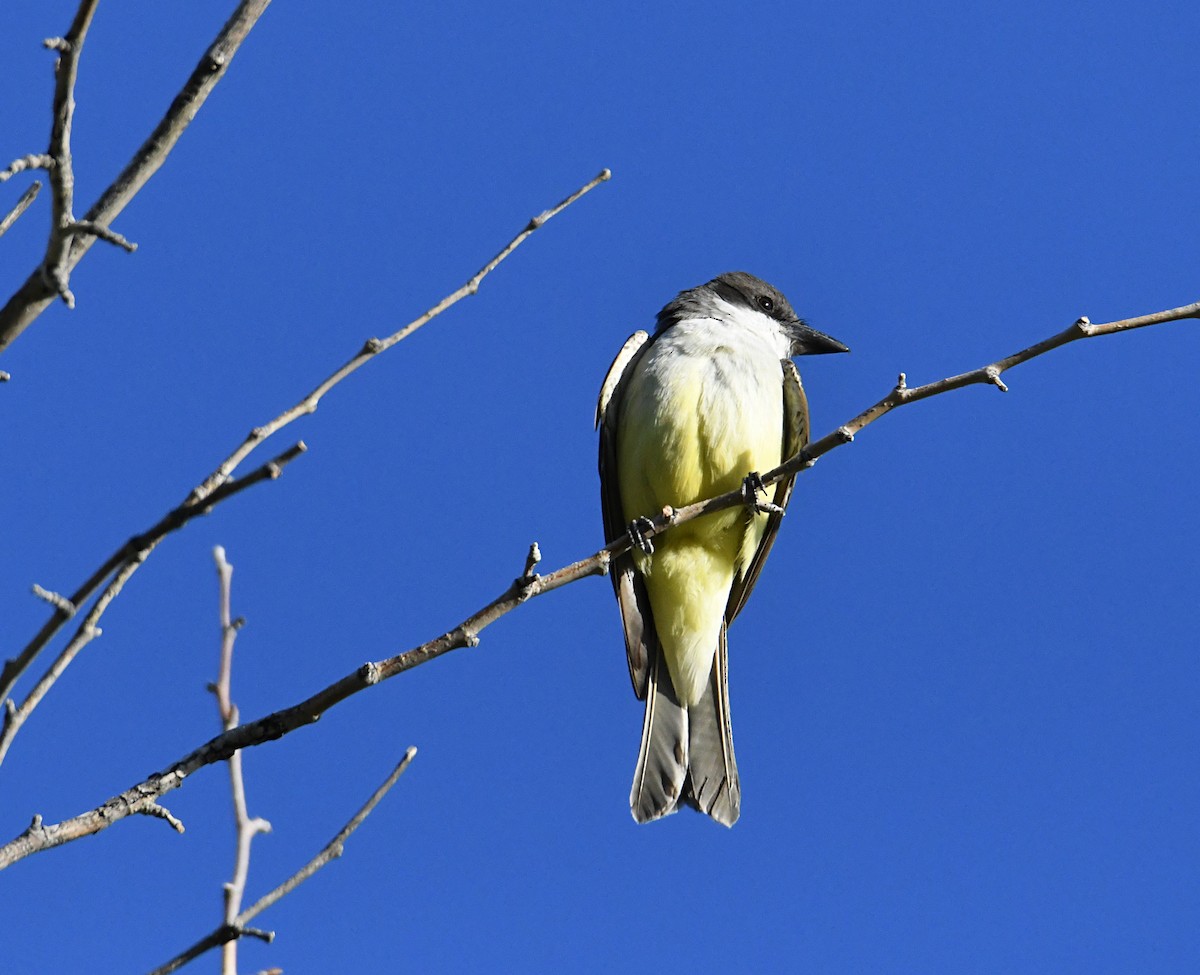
<point>702,406</point>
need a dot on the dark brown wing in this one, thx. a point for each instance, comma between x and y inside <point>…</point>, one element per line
<point>634,603</point>
<point>795,439</point>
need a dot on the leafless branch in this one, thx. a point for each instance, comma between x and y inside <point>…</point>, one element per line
<point>67,243</point>
<point>57,600</point>
<point>85,228</point>
<point>40,837</point>
<point>988,375</point>
<point>23,204</point>
<point>372,347</point>
<point>54,271</point>
<point>217,486</point>
<point>119,566</point>
<point>333,849</point>
<point>246,827</point>
<point>233,929</point>
<point>222,935</point>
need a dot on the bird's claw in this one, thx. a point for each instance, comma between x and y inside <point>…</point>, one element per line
<point>752,487</point>
<point>637,534</point>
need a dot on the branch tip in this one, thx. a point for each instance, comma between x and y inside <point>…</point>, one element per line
<point>60,44</point>
<point>161,812</point>
<point>57,600</point>
<point>100,232</point>
<point>993,377</point>
<point>531,561</point>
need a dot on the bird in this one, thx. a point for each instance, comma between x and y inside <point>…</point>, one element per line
<point>697,409</point>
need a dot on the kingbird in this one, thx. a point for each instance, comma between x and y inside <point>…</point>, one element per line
<point>697,409</point>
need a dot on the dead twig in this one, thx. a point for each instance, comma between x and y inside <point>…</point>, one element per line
<point>119,566</point>
<point>229,932</point>
<point>70,240</point>
<point>246,826</point>
<point>23,204</point>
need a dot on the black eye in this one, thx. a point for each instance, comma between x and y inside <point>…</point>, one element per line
<point>765,302</point>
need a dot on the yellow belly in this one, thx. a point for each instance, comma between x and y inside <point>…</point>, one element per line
<point>688,433</point>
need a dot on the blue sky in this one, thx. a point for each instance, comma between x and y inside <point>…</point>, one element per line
<point>964,693</point>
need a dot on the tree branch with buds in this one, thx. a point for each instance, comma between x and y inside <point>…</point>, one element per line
<point>527,586</point>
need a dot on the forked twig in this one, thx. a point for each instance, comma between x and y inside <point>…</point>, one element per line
<point>70,240</point>
<point>229,932</point>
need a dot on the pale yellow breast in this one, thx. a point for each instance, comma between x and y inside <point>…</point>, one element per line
<point>693,426</point>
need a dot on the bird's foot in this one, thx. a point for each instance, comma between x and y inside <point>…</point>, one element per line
<point>637,534</point>
<point>752,487</point>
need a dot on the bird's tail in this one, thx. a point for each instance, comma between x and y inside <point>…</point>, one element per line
<point>687,752</point>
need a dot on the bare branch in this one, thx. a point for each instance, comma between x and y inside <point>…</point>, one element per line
<point>57,600</point>
<point>107,234</point>
<point>333,849</point>
<point>246,827</point>
<point>220,936</point>
<point>161,812</point>
<point>466,634</point>
<point>228,933</point>
<point>988,375</point>
<point>66,249</point>
<point>217,486</point>
<point>23,204</point>
<point>372,347</point>
<point>120,566</point>
<point>54,271</point>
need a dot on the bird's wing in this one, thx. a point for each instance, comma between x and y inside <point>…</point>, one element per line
<point>795,439</point>
<point>640,641</point>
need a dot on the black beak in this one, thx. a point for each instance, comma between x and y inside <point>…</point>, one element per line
<point>806,340</point>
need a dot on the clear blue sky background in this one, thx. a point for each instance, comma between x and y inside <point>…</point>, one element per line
<point>965,691</point>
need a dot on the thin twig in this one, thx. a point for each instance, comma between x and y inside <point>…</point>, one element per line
<point>220,936</point>
<point>36,294</point>
<point>23,204</point>
<point>217,486</point>
<point>120,566</point>
<point>333,849</point>
<point>246,827</point>
<point>54,270</point>
<point>372,347</point>
<point>40,837</point>
<point>35,160</point>
<point>228,934</point>
<point>57,600</point>
<point>107,234</point>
